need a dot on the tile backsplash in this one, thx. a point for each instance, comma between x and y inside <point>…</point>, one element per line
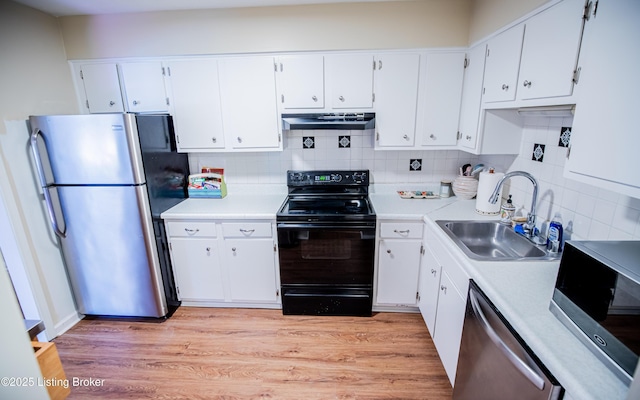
<point>587,212</point>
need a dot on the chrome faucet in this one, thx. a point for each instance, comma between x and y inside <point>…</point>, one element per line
<point>530,226</point>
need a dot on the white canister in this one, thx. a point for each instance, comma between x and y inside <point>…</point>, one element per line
<point>486,185</point>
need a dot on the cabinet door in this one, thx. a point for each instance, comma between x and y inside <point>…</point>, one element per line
<point>396,90</point>
<point>443,90</point>
<point>398,268</point>
<point>102,88</point>
<point>197,269</point>
<point>471,97</point>
<point>429,288</point>
<point>301,81</point>
<point>144,86</point>
<point>604,139</point>
<point>449,323</point>
<point>248,99</point>
<point>502,65</point>
<point>550,51</point>
<point>252,270</point>
<point>350,78</point>
<point>196,104</point>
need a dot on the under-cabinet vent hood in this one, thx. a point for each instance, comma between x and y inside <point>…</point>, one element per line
<point>335,121</point>
<point>548,111</point>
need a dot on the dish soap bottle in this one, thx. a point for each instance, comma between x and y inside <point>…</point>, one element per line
<point>554,239</point>
<point>507,211</point>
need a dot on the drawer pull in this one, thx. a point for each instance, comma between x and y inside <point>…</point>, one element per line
<point>247,231</point>
<point>404,232</point>
<point>191,231</point>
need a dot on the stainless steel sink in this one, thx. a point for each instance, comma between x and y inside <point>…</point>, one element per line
<point>493,241</point>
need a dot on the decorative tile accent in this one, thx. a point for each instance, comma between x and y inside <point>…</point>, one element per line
<point>538,152</point>
<point>415,164</point>
<point>344,141</point>
<point>565,136</point>
<point>308,142</point>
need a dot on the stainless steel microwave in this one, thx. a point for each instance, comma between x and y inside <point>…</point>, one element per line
<point>597,297</point>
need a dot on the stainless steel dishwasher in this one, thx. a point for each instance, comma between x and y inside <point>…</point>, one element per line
<point>494,362</point>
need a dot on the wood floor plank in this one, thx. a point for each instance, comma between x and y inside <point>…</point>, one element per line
<point>220,353</point>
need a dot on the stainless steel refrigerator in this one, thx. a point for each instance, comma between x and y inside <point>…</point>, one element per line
<point>106,178</point>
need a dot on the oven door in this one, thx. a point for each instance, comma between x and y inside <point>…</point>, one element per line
<point>326,269</point>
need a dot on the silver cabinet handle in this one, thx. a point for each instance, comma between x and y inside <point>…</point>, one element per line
<point>405,137</point>
<point>468,137</point>
<point>379,64</point>
<point>43,183</point>
<point>520,365</point>
<point>341,98</point>
<point>433,272</point>
<point>247,231</point>
<point>136,102</point>
<point>239,139</point>
<point>191,231</point>
<point>282,98</point>
<point>404,232</point>
<point>112,103</point>
<point>443,288</point>
<point>389,251</point>
<point>208,249</point>
<point>505,86</point>
<point>233,249</point>
<point>526,84</point>
<point>432,136</point>
<point>314,98</point>
<point>214,140</point>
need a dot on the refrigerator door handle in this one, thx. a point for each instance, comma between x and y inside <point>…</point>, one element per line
<point>43,184</point>
<point>520,365</point>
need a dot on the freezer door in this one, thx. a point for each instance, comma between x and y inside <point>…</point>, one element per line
<point>97,149</point>
<point>110,251</point>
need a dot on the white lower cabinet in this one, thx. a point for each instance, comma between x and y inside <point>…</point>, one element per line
<point>399,250</point>
<point>252,270</point>
<point>225,264</point>
<point>443,299</point>
<point>197,269</point>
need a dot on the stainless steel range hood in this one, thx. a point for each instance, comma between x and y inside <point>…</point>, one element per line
<point>335,121</point>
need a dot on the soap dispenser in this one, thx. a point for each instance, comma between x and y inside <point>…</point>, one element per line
<point>507,211</point>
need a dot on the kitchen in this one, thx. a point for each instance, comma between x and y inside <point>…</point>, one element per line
<point>594,213</point>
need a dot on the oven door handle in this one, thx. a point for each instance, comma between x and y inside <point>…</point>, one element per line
<point>323,226</point>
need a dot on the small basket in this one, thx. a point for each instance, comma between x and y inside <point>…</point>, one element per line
<point>465,187</point>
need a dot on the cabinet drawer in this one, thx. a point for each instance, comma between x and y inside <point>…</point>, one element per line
<point>191,229</point>
<point>401,230</point>
<point>247,229</point>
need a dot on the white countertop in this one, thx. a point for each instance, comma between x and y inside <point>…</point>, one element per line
<point>520,290</point>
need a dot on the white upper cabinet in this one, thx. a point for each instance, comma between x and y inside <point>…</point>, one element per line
<point>604,139</point>
<point>396,96</point>
<point>144,89</point>
<point>502,64</point>
<point>471,97</point>
<point>248,99</point>
<point>195,101</point>
<point>301,81</point>
<point>443,93</point>
<point>350,80</point>
<point>550,51</point>
<point>101,88</point>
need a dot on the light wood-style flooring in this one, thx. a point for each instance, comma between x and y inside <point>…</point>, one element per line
<point>219,353</point>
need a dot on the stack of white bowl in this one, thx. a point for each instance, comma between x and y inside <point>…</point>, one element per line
<point>465,187</point>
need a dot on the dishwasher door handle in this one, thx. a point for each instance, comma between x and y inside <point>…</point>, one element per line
<point>517,362</point>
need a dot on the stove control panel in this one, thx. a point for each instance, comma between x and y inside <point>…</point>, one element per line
<point>313,178</point>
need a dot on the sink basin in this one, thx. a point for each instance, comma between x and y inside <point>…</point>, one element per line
<point>493,241</point>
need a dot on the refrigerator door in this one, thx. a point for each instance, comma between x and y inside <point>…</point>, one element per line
<point>97,149</point>
<point>110,251</point>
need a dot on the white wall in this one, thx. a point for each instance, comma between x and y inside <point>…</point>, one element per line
<point>35,80</point>
<point>587,211</point>
<point>389,167</point>
<point>17,354</point>
<point>404,24</point>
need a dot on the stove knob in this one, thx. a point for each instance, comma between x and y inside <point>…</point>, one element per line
<point>336,177</point>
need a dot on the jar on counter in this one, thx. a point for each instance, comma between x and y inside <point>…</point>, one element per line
<point>445,188</point>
